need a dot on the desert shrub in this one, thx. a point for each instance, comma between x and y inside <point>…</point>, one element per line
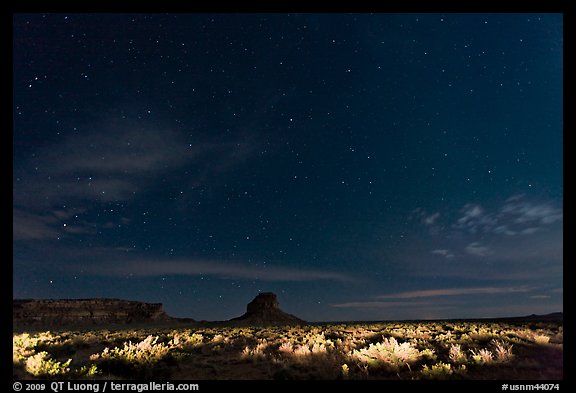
<point>37,355</point>
<point>345,371</point>
<point>86,371</point>
<point>540,339</point>
<point>312,344</point>
<point>142,360</point>
<point>428,354</point>
<point>219,339</point>
<point>437,371</point>
<point>256,352</point>
<point>186,340</point>
<point>26,345</point>
<point>442,370</point>
<point>388,354</point>
<point>23,346</point>
<point>502,350</point>
<point>146,352</point>
<point>483,356</point>
<point>286,347</point>
<point>532,336</point>
<point>456,354</point>
<point>481,334</point>
<point>41,365</point>
<point>301,351</point>
<point>447,337</point>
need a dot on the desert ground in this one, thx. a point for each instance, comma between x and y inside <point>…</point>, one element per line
<point>356,351</point>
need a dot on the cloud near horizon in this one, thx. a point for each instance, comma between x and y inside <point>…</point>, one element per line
<point>376,304</point>
<point>454,292</point>
<point>518,238</point>
<point>405,299</point>
<point>225,270</point>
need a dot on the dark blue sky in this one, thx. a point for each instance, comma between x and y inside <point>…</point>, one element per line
<point>361,166</point>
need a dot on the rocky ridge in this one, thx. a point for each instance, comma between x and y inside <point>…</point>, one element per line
<point>85,312</point>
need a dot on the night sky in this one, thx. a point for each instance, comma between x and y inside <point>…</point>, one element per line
<point>360,166</point>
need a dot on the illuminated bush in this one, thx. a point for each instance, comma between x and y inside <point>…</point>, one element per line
<point>313,344</point>
<point>456,354</point>
<point>87,371</point>
<point>540,339</point>
<point>256,352</point>
<point>146,352</point>
<point>23,347</point>
<point>345,371</point>
<point>537,337</point>
<point>437,371</point>
<point>219,339</point>
<point>442,370</point>
<point>483,356</point>
<point>187,340</point>
<point>41,365</point>
<point>286,347</point>
<point>139,360</point>
<point>302,350</point>
<point>503,351</point>
<point>387,354</point>
<point>428,354</point>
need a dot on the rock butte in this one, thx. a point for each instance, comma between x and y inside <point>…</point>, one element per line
<point>265,310</point>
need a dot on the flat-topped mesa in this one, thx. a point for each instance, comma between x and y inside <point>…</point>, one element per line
<point>85,311</point>
<point>265,310</point>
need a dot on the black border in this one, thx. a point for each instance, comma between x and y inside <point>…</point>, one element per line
<point>566,7</point>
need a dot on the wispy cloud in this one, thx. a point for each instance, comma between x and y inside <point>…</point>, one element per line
<point>111,163</point>
<point>445,253</point>
<point>479,231</point>
<point>454,292</point>
<point>222,269</point>
<point>373,304</point>
<point>520,211</point>
<point>30,226</point>
<point>401,300</point>
<point>64,214</point>
<point>117,164</point>
<point>474,219</point>
<point>516,216</point>
<point>431,219</point>
<point>504,230</point>
<point>478,250</point>
<point>471,212</point>
<point>54,224</point>
<point>424,217</point>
